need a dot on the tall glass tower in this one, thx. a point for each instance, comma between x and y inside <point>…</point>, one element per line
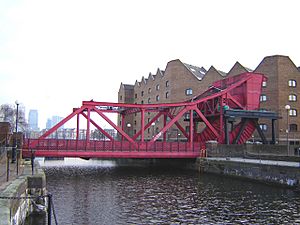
<point>33,120</point>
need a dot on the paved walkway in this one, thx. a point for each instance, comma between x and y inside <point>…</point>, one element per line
<point>258,161</point>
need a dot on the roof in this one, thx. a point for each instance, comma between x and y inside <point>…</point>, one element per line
<point>128,86</point>
<point>222,73</point>
<point>199,72</point>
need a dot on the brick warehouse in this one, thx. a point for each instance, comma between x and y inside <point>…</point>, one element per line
<point>181,81</point>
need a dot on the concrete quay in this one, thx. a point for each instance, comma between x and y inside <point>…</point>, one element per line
<point>284,173</point>
<point>18,196</point>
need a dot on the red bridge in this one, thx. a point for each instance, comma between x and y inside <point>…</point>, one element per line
<point>209,116</point>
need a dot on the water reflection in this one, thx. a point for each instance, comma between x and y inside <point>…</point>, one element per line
<point>135,195</point>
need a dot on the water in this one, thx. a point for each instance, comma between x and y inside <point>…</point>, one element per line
<point>102,193</point>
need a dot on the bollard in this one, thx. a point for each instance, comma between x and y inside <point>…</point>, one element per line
<point>7,166</point>
<point>17,153</point>
<point>49,208</point>
<point>32,163</point>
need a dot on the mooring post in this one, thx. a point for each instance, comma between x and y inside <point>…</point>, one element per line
<point>32,163</point>
<point>49,208</point>
<point>7,165</point>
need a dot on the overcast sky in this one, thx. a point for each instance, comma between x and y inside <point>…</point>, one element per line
<point>56,53</point>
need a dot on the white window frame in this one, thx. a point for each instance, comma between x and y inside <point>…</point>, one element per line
<point>292,83</point>
<point>292,98</point>
<point>263,98</point>
<point>189,91</point>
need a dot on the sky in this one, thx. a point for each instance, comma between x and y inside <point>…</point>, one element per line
<point>55,54</point>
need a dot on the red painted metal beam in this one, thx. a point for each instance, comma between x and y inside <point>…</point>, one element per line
<point>47,133</point>
<point>113,154</point>
<point>116,127</point>
<point>99,128</point>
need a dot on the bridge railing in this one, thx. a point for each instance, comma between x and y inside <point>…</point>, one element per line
<point>96,145</point>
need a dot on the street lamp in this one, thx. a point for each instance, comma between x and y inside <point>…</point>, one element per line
<point>287,107</point>
<point>14,149</point>
<point>128,128</point>
<point>153,124</point>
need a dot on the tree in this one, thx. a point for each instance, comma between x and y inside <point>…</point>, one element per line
<point>8,113</point>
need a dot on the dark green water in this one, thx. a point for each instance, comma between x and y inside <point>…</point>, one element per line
<point>156,195</point>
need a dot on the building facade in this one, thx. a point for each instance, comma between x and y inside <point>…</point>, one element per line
<point>180,82</point>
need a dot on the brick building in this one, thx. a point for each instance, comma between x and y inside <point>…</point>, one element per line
<point>181,81</point>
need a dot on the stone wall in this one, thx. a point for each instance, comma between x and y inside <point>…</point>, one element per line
<point>16,199</point>
<point>271,152</point>
<point>280,175</point>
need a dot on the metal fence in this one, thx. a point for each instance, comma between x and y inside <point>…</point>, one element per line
<point>9,166</point>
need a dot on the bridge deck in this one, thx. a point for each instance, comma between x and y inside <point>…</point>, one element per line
<point>111,149</point>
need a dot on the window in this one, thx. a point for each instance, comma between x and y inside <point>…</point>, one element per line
<point>292,83</point>
<point>148,130</point>
<point>148,120</point>
<point>157,87</point>
<point>167,83</point>
<point>135,95</point>
<point>149,100</point>
<point>187,129</point>
<point>157,130</point>
<point>293,112</point>
<point>263,127</point>
<point>142,102</point>
<point>292,98</point>
<point>264,84</point>
<point>120,122</point>
<point>293,127</point>
<point>135,122</point>
<point>187,116</point>
<point>263,98</point>
<point>157,97</point>
<point>121,97</point>
<point>142,93</point>
<point>167,94</point>
<point>189,91</point>
<point>149,90</point>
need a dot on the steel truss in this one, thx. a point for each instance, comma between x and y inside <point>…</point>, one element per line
<point>241,92</point>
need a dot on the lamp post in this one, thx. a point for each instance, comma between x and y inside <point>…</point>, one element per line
<point>128,128</point>
<point>14,149</point>
<point>153,124</point>
<point>287,107</point>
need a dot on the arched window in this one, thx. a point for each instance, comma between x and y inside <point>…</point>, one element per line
<point>167,83</point>
<point>149,90</point>
<point>167,94</point>
<point>157,97</point>
<point>293,112</point>
<point>263,127</point>
<point>293,127</point>
<point>263,98</point>
<point>292,83</point>
<point>157,87</point>
<point>292,98</point>
<point>149,100</point>
<point>189,91</point>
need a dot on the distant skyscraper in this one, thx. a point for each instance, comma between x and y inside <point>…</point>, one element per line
<point>33,120</point>
<point>53,121</point>
<point>48,124</point>
<point>56,120</point>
